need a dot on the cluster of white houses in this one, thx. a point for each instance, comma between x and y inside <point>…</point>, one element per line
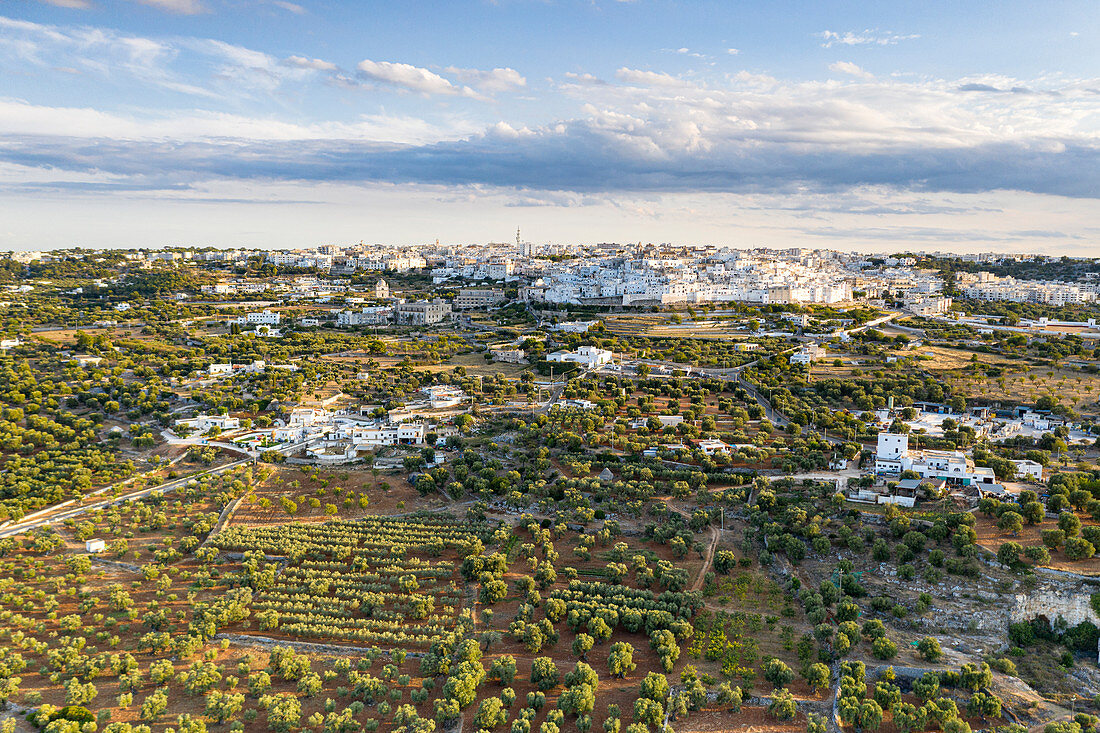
<point>257,366</point>
<point>893,457</point>
<point>340,436</point>
<point>987,286</point>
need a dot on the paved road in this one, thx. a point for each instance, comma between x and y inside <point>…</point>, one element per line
<point>61,512</point>
<point>876,322</point>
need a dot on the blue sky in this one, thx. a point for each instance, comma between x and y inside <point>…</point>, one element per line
<point>940,125</point>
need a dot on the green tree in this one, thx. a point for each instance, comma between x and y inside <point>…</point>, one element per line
<point>155,704</point>
<point>490,714</point>
<point>783,705</point>
<point>870,716</point>
<point>884,649</point>
<point>544,674</point>
<point>926,686</point>
<point>1011,522</point>
<point>817,676</point>
<point>582,644</point>
<point>223,706</point>
<point>1069,523</point>
<point>778,673</point>
<point>984,706</point>
<point>929,649</point>
<point>620,659</point>
<point>503,669</point>
<point>283,711</point>
<point>1008,554</point>
<point>908,718</point>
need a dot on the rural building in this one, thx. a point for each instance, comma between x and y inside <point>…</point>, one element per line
<point>422,313</point>
<point>478,298</point>
<point>1030,470</point>
<point>590,357</point>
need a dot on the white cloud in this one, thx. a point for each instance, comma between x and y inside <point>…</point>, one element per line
<point>489,81</point>
<point>647,131</point>
<point>868,37</point>
<point>584,79</point>
<point>847,67</point>
<point>289,7</point>
<point>245,69</point>
<point>659,116</point>
<point>407,76</point>
<point>74,4</point>
<point>307,63</point>
<point>97,52</point>
<point>648,78</point>
<point>180,7</point>
<point>685,51</point>
<point>20,118</point>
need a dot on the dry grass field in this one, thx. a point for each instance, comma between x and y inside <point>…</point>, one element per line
<point>341,488</point>
<point>1018,383</point>
<point>990,537</point>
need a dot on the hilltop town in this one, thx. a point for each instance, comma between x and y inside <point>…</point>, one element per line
<point>535,487</point>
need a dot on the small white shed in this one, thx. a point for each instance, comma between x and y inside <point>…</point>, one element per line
<point>96,545</point>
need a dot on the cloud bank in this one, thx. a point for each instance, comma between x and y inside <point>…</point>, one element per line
<point>644,131</point>
<point>652,132</point>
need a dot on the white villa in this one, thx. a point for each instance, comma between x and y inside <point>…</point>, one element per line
<point>808,354</point>
<point>894,457</point>
<point>590,357</point>
<point>202,423</point>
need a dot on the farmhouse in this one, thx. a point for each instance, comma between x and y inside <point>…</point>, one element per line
<point>590,357</point>
<point>202,423</point>
<point>894,457</point>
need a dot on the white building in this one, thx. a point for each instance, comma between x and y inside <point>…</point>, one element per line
<point>573,326</point>
<point>308,416</point>
<point>360,435</point>
<point>218,289</point>
<point>712,446</point>
<point>991,287</point>
<point>928,306</point>
<point>808,354</point>
<point>509,356</point>
<point>369,316</point>
<point>263,318</point>
<point>590,357</point>
<point>1030,470</point>
<point>441,396</point>
<point>202,423</point>
<point>893,457</point>
<point>422,313</point>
